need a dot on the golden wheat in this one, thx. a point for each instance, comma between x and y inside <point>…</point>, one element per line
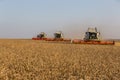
<point>39,60</point>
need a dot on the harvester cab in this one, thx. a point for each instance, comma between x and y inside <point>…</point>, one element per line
<point>58,35</point>
<point>92,35</point>
<point>41,35</point>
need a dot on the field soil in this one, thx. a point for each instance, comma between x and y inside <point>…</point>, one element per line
<point>40,60</point>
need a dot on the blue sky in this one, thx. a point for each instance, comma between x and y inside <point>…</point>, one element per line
<point>26,18</point>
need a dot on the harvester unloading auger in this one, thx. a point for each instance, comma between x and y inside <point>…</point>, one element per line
<point>58,36</point>
<point>41,36</point>
<point>92,36</point>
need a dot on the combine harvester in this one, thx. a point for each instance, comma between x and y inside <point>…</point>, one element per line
<point>92,36</point>
<point>58,36</point>
<point>41,36</point>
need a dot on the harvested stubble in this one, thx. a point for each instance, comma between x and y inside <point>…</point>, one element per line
<point>36,60</point>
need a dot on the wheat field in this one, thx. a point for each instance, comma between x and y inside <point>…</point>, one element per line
<point>40,60</point>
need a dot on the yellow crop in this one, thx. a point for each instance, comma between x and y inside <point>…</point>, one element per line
<point>39,60</point>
